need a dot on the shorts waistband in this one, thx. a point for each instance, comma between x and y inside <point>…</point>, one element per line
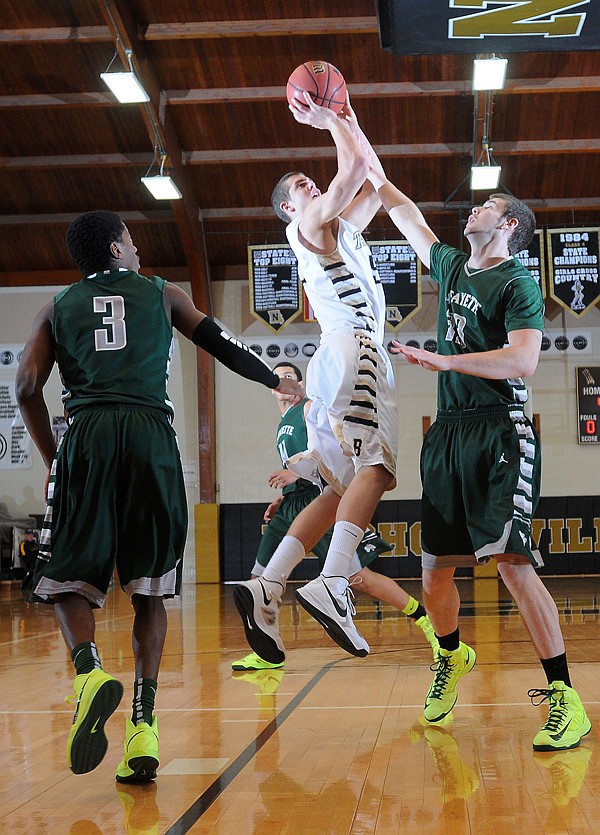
<point>480,412</point>
<point>117,407</point>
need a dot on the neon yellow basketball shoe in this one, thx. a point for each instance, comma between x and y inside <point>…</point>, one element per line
<point>140,758</point>
<point>450,666</point>
<point>567,720</point>
<point>98,696</point>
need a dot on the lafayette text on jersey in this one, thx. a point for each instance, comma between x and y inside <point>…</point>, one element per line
<point>477,311</point>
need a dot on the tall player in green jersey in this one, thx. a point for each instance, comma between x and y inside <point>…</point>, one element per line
<point>298,493</point>
<point>480,462</point>
<point>115,486</point>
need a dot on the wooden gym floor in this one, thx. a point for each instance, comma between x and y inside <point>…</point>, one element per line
<point>334,744</point>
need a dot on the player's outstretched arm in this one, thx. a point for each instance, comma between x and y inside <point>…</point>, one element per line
<point>518,359</point>
<point>207,334</point>
<point>406,215</point>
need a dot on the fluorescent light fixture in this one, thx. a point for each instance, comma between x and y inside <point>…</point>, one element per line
<point>162,188</point>
<point>489,73</point>
<point>125,86</point>
<point>485,176</point>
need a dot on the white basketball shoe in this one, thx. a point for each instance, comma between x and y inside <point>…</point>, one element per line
<point>330,601</point>
<point>258,601</point>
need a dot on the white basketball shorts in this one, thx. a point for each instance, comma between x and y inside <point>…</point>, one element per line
<point>352,422</point>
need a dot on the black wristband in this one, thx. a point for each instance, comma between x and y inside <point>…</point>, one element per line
<point>233,353</point>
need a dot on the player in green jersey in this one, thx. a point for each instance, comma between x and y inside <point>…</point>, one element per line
<point>115,486</point>
<point>298,493</point>
<point>480,463</point>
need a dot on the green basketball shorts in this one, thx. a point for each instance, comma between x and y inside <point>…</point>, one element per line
<point>116,497</point>
<point>480,472</point>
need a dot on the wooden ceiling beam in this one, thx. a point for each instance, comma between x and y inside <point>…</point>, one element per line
<point>219,95</point>
<point>198,30</point>
<point>76,161</point>
<point>52,218</point>
<point>58,100</point>
<point>388,89</point>
<point>56,34</point>
<point>236,156</point>
<point>260,28</point>
<point>576,204</point>
<point>234,214</point>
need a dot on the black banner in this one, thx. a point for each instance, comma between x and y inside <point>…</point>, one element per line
<point>533,258</point>
<point>274,285</point>
<point>565,529</point>
<point>573,268</point>
<point>400,273</point>
<point>588,405</point>
<point>476,26</point>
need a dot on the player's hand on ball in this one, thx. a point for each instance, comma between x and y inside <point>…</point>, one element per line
<point>309,113</point>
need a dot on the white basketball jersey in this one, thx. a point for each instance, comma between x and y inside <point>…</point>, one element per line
<point>343,288</point>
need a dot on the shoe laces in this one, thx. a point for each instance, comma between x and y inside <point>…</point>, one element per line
<point>270,588</point>
<point>444,669</point>
<point>558,709</point>
<point>348,593</point>
<point>350,599</point>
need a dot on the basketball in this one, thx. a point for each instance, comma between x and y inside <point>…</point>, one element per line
<point>322,80</point>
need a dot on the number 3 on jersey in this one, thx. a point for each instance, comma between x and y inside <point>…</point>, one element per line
<point>114,337</point>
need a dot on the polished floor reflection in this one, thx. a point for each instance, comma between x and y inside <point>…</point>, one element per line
<point>333,744</point>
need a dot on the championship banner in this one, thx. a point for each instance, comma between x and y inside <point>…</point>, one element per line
<point>15,441</point>
<point>400,273</point>
<point>533,258</point>
<point>573,268</point>
<point>274,284</point>
<point>446,27</point>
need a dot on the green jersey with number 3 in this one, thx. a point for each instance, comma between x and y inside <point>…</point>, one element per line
<point>114,341</point>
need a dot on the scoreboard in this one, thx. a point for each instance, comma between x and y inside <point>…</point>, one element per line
<point>588,404</point>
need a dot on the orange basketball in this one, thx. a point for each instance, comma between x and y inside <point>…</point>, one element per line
<point>323,81</point>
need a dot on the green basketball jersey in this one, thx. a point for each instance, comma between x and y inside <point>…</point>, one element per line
<point>476,312</point>
<point>114,341</point>
<point>291,439</point>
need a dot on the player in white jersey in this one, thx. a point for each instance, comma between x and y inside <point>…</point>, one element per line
<point>352,432</point>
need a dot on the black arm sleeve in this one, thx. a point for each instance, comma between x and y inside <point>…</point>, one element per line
<point>233,353</point>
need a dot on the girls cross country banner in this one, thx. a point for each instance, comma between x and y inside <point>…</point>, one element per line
<point>574,277</point>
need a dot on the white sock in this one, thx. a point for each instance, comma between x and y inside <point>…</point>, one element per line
<point>290,552</point>
<point>355,565</point>
<point>344,542</point>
